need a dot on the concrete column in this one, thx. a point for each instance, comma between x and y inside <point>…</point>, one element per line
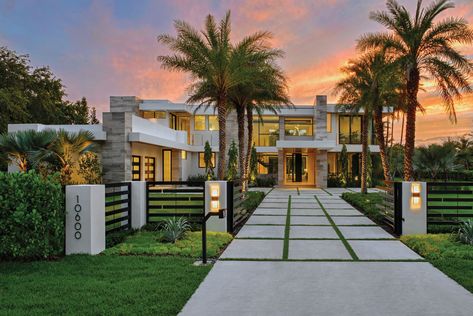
<point>281,167</point>
<point>321,168</point>
<point>320,118</point>
<point>116,153</point>
<point>414,208</point>
<point>85,219</point>
<point>138,204</point>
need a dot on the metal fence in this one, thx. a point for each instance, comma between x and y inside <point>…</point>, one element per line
<point>449,203</point>
<point>236,213</point>
<point>117,207</point>
<point>174,198</point>
<point>390,206</point>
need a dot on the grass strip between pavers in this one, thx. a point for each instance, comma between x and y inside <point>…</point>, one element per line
<point>327,192</point>
<point>298,192</point>
<point>339,233</point>
<point>322,260</point>
<point>285,250</point>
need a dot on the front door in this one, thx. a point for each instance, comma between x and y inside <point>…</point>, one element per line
<point>296,170</point>
<point>297,174</point>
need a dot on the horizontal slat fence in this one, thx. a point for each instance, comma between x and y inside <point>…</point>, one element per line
<point>449,203</point>
<point>117,207</point>
<point>390,206</point>
<point>176,198</point>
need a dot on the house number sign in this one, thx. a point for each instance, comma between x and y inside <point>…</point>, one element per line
<point>77,225</point>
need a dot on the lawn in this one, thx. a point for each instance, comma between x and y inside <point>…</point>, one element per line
<point>140,276</point>
<point>99,285</point>
<point>448,255</point>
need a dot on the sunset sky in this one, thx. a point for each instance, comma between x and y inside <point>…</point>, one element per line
<point>103,48</point>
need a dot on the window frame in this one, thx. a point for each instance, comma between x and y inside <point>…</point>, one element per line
<point>147,171</point>
<point>133,164</point>
<point>202,166</point>
<point>311,124</point>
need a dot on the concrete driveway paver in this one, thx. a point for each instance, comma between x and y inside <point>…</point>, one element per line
<point>267,220</point>
<point>312,232</point>
<point>352,220</point>
<point>364,232</point>
<point>382,250</point>
<point>270,211</point>
<point>305,211</point>
<point>309,220</point>
<point>347,212</point>
<point>254,249</point>
<point>260,231</point>
<point>317,249</point>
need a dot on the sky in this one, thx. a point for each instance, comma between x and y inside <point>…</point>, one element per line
<point>103,48</point>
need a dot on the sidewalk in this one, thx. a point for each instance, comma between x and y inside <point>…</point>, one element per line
<point>308,252</point>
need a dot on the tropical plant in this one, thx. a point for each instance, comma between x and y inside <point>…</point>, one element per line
<point>423,48</point>
<point>253,165</point>
<point>90,168</point>
<point>20,146</point>
<point>464,148</point>
<point>232,169</point>
<point>173,229</point>
<point>209,167</point>
<point>465,232</point>
<point>343,163</point>
<point>371,83</point>
<point>435,160</point>
<point>396,159</point>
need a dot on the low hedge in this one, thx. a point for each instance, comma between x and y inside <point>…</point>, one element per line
<point>365,203</point>
<point>31,216</point>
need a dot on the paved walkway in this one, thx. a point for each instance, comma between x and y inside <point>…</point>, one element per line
<point>308,252</point>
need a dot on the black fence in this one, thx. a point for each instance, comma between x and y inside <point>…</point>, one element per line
<point>236,213</point>
<point>117,207</point>
<point>449,203</point>
<point>174,198</point>
<point>391,206</point>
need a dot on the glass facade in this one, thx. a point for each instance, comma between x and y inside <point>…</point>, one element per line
<point>213,123</point>
<point>199,123</point>
<point>266,131</point>
<point>154,114</point>
<point>205,123</point>
<point>268,164</point>
<point>167,165</point>
<point>202,160</point>
<point>349,130</point>
<point>298,127</point>
<point>329,122</point>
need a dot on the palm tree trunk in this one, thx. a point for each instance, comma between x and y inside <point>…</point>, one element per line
<point>379,127</point>
<point>249,119</point>
<point>412,89</point>
<point>222,117</point>
<point>402,126</point>
<point>364,154</point>
<point>241,145</point>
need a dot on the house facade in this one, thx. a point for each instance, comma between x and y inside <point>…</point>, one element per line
<point>158,140</point>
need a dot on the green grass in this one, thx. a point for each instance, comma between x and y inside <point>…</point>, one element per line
<point>287,230</point>
<point>99,285</point>
<point>448,255</point>
<point>149,244</point>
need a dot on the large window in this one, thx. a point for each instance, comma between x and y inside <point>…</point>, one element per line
<point>167,165</point>
<point>329,122</point>
<point>298,127</point>
<point>266,131</point>
<point>202,160</point>
<point>136,168</point>
<point>205,123</point>
<point>199,123</point>
<point>213,123</point>
<point>154,114</point>
<point>268,164</point>
<point>150,166</point>
<point>349,129</point>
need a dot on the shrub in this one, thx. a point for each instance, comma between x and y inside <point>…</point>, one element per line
<point>365,203</point>
<point>253,199</point>
<point>174,229</point>
<point>117,237</point>
<point>465,233</point>
<point>90,168</point>
<point>31,216</point>
<point>265,181</point>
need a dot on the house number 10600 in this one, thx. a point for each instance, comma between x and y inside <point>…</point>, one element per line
<point>77,224</point>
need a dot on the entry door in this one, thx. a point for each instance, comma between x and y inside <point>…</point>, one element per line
<point>297,171</point>
<point>167,165</point>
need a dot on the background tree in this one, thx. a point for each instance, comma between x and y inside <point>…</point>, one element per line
<point>232,169</point>
<point>209,167</point>
<point>343,163</point>
<point>90,168</point>
<point>435,160</point>
<point>423,48</point>
<point>253,165</point>
<point>93,116</point>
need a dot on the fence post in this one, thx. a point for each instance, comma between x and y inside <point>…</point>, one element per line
<point>215,223</point>
<point>138,204</point>
<point>414,207</point>
<point>230,207</point>
<point>85,219</point>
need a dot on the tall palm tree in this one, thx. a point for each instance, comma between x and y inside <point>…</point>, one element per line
<point>208,56</point>
<point>371,83</point>
<point>423,47</point>
<point>19,146</point>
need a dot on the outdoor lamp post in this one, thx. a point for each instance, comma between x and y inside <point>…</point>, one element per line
<point>213,208</point>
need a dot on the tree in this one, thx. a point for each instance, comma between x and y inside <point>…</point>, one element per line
<point>232,169</point>
<point>253,165</point>
<point>371,83</point>
<point>343,162</point>
<point>435,160</point>
<point>75,113</point>
<point>369,169</point>
<point>208,161</point>
<point>423,48</point>
<point>208,57</point>
<point>464,149</point>
<point>90,168</point>
<point>20,146</point>
<point>93,116</point>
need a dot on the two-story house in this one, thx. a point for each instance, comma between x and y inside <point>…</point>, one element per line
<point>158,140</point>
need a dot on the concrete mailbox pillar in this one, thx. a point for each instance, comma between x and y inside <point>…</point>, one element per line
<point>216,199</point>
<point>85,219</point>
<point>414,208</point>
<point>138,204</point>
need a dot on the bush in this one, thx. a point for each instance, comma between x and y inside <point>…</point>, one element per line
<point>253,199</point>
<point>117,237</point>
<point>465,233</point>
<point>265,181</point>
<point>197,178</point>
<point>31,216</point>
<point>365,203</point>
<point>174,229</point>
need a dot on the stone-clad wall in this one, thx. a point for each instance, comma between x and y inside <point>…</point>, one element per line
<point>321,168</point>
<point>124,104</point>
<point>320,118</point>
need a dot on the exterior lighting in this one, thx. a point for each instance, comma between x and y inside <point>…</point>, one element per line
<point>416,200</point>
<point>214,198</point>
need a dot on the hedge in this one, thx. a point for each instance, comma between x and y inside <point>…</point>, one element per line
<point>31,216</point>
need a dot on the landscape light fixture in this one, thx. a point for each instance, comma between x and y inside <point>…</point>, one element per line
<point>416,189</point>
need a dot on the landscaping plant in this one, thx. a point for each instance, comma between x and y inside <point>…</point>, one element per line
<point>232,169</point>
<point>465,233</point>
<point>174,229</point>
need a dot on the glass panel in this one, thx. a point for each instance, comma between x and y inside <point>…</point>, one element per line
<point>298,127</point>
<point>202,160</point>
<point>329,122</point>
<point>213,123</point>
<point>172,121</point>
<point>148,114</point>
<point>267,164</point>
<point>344,129</point>
<point>332,163</point>
<point>355,135</point>
<point>184,155</point>
<point>199,122</point>
<point>167,168</point>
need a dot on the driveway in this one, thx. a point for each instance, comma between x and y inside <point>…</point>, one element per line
<point>308,252</point>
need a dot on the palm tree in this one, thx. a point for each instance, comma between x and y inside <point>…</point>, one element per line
<point>435,160</point>
<point>423,47</point>
<point>370,85</point>
<point>464,149</point>
<point>208,57</point>
<point>19,146</point>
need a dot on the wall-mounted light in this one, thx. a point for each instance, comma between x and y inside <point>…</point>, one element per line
<point>214,198</point>
<point>416,200</point>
